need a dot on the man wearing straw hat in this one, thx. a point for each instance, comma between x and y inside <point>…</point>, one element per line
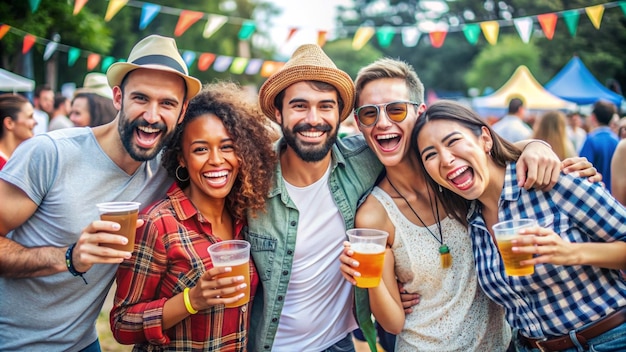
<point>54,276</point>
<point>305,304</point>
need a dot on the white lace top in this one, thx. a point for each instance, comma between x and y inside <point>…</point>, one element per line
<point>453,314</point>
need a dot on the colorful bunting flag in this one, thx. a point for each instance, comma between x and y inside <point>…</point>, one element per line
<point>186,19</point>
<point>321,38</point>
<point>524,28</point>
<point>472,33</point>
<point>72,56</point>
<point>490,31</point>
<point>437,38</point>
<point>114,7</point>
<point>410,36</point>
<point>92,61</point>
<point>34,4</point>
<point>548,24</point>
<point>4,29</point>
<point>51,47</point>
<point>247,29</point>
<point>106,62</point>
<point>571,20</point>
<point>189,57</point>
<point>78,5</point>
<point>270,67</point>
<point>148,13</point>
<point>292,31</point>
<point>361,37</point>
<point>385,36</point>
<point>595,14</point>
<point>214,23</point>
<point>254,66</point>
<point>29,40</point>
<point>239,65</point>
<point>222,63</point>
<point>205,60</point>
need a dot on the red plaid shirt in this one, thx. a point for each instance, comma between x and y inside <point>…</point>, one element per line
<point>171,254</point>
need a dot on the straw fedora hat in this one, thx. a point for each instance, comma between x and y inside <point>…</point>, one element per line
<point>96,83</point>
<point>308,63</point>
<point>157,53</point>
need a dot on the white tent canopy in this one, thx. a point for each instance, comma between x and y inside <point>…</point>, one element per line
<point>10,82</point>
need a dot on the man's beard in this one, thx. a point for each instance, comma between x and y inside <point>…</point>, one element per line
<point>127,130</point>
<point>307,152</point>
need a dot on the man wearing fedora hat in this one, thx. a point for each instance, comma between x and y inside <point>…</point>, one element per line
<point>54,276</point>
<point>305,304</point>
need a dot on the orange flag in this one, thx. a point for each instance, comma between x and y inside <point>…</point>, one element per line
<point>205,60</point>
<point>548,24</point>
<point>78,5</point>
<point>437,38</point>
<point>92,61</point>
<point>29,40</point>
<point>321,38</point>
<point>4,29</point>
<point>186,19</point>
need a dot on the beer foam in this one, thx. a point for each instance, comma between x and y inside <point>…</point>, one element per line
<point>367,248</point>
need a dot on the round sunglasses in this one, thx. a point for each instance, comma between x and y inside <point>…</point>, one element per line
<point>396,111</point>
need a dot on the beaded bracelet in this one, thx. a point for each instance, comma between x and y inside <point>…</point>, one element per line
<point>70,265</point>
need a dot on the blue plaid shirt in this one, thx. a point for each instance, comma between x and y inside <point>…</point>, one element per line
<point>556,298</point>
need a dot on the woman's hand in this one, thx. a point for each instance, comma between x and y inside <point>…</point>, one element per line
<point>538,167</point>
<point>546,246</point>
<point>210,289</point>
<point>348,264</point>
<point>581,167</point>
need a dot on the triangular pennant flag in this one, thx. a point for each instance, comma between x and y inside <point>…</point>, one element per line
<point>148,13</point>
<point>254,66</point>
<point>410,36</point>
<point>92,61</point>
<point>239,65</point>
<point>524,28</point>
<point>114,7</point>
<point>622,4</point>
<point>72,56</point>
<point>385,36</point>
<point>246,30</point>
<point>595,14</point>
<point>270,67</point>
<point>472,33</point>
<point>186,19</point>
<point>106,62</point>
<point>491,30</point>
<point>29,40</point>
<point>78,5</point>
<point>437,38</point>
<point>205,60</point>
<point>34,4</point>
<point>548,24</point>
<point>222,63</point>
<point>189,57</point>
<point>321,38</point>
<point>51,47</point>
<point>214,23</point>
<point>571,20</point>
<point>4,29</point>
<point>292,31</point>
<point>361,37</point>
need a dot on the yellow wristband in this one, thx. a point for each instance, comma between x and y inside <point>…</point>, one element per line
<point>188,301</point>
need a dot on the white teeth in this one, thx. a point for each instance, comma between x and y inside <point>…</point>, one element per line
<point>147,129</point>
<point>216,174</point>
<point>387,136</point>
<point>457,173</point>
<point>310,134</point>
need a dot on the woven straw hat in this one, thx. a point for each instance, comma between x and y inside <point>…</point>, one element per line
<point>308,63</point>
<point>156,53</point>
<point>96,82</point>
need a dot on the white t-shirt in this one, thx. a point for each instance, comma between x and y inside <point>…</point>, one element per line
<point>317,312</point>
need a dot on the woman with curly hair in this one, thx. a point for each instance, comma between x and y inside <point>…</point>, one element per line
<point>168,295</point>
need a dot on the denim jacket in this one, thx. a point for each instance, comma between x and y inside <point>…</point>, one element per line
<point>272,235</point>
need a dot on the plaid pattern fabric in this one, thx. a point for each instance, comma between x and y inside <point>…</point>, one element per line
<point>556,298</point>
<point>171,254</point>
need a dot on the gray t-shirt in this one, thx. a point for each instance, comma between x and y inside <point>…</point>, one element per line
<point>66,173</point>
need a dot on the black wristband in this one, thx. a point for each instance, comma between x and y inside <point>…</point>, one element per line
<point>70,265</point>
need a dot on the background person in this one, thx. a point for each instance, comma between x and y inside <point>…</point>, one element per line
<point>49,236</point>
<point>91,110</point>
<point>512,126</point>
<point>551,128</point>
<point>44,107</point>
<point>222,158</point>
<point>576,299</point>
<point>59,116</point>
<point>16,114</point>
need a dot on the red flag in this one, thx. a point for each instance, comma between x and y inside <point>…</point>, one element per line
<point>29,40</point>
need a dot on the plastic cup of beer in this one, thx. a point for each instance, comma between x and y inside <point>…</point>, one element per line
<point>505,232</point>
<point>236,254</point>
<point>125,214</point>
<point>368,246</point>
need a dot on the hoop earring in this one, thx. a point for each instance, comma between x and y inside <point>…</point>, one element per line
<point>178,176</point>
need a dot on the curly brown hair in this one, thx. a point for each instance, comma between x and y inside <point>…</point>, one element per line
<point>244,122</point>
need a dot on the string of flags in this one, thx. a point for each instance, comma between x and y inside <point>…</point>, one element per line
<point>410,35</point>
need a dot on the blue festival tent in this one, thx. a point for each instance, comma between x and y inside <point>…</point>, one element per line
<point>576,84</point>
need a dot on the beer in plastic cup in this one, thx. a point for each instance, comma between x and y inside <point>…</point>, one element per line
<point>125,214</point>
<point>505,232</point>
<point>236,254</point>
<point>368,246</point>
